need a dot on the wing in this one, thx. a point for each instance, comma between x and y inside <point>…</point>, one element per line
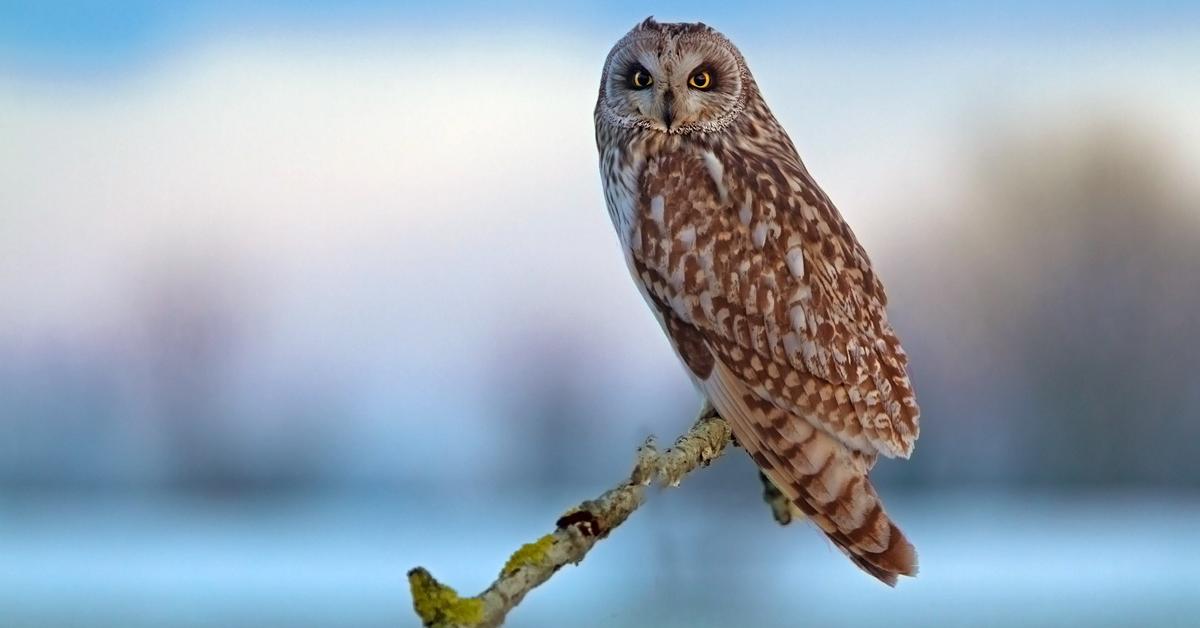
<point>748,251</point>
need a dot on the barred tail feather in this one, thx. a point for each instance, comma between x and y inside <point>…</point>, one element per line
<point>823,478</point>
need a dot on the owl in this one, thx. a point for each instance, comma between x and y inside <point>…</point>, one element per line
<point>763,291</point>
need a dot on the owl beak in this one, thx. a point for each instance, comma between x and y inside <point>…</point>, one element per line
<point>667,110</point>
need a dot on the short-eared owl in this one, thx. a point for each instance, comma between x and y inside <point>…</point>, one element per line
<point>766,295</point>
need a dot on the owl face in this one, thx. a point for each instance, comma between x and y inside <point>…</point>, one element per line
<point>673,78</point>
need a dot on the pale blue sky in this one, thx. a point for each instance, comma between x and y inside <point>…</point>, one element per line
<point>92,35</point>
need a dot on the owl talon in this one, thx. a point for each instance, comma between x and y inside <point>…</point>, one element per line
<point>647,464</point>
<point>781,506</point>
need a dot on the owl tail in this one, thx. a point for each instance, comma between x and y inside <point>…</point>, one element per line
<point>822,477</point>
<point>831,486</point>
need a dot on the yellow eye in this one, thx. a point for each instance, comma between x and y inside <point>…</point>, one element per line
<point>641,79</point>
<point>701,80</point>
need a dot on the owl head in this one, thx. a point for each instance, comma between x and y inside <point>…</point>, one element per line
<point>673,78</point>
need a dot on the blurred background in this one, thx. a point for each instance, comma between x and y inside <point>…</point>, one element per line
<point>294,297</point>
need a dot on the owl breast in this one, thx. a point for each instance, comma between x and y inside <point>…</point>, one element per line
<point>675,228</point>
<point>697,240</point>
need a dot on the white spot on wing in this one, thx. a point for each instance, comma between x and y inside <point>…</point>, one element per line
<point>656,209</point>
<point>760,234</point>
<point>799,321</point>
<point>791,344</point>
<point>687,236</point>
<point>716,170</point>
<point>795,262</point>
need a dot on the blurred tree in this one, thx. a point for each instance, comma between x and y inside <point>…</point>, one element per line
<point>189,333</point>
<point>553,418</point>
<point>1083,266</point>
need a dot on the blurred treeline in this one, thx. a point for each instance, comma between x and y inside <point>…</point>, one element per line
<point>1050,314</point>
<point>1057,327</point>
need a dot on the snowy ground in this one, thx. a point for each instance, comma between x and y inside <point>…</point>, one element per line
<point>1100,559</point>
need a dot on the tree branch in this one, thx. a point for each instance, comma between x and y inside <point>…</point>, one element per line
<point>575,533</point>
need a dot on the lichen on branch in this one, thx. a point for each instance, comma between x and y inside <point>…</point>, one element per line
<point>574,535</point>
<point>439,605</point>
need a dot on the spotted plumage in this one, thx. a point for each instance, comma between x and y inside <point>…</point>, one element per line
<point>770,301</point>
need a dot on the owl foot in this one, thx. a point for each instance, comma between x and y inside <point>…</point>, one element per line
<point>781,506</point>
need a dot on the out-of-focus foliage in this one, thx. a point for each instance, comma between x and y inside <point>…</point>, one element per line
<point>1056,312</point>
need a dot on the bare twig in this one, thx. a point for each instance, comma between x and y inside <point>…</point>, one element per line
<point>575,533</point>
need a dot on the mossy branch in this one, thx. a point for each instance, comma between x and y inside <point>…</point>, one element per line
<point>574,535</point>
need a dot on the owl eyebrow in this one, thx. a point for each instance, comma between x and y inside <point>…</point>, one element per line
<point>633,66</point>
